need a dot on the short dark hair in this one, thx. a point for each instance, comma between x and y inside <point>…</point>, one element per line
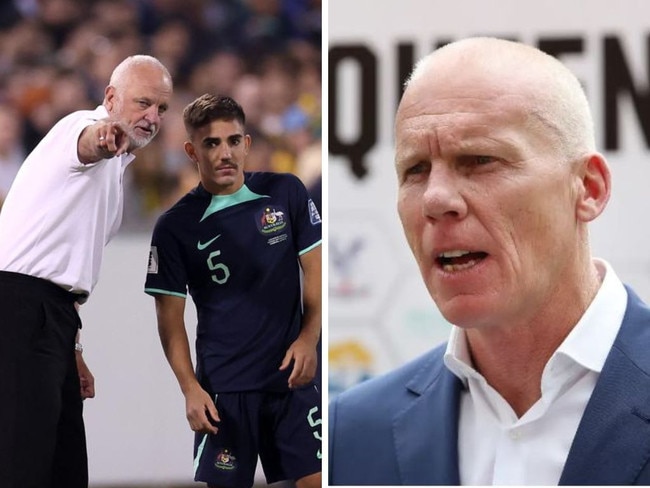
<point>208,108</point>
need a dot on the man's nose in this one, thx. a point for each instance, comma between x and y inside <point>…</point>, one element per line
<point>152,115</point>
<point>225,151</point>
<point>443,196</point>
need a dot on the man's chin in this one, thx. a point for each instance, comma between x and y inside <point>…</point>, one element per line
<point>465,311</point>
<point>139,142</point>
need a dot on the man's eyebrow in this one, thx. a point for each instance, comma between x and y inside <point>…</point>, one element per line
<point>211,139</point>
<point>408,152</point>
<point>218,139</point>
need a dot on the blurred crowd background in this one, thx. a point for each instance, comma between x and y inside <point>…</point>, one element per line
<point>56,56</point>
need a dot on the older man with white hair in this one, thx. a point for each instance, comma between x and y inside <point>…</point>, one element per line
<point>63,208</point>
<point>545,378</point>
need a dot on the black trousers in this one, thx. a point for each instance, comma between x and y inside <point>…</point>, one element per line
<point>42,436</point>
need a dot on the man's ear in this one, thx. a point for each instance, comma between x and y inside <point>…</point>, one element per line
<point>109,98</point>
<point>189,150</point>
<point>247,143</point>
<point>595,187</point>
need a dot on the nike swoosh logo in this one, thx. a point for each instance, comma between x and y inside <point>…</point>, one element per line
<point>200,246</point>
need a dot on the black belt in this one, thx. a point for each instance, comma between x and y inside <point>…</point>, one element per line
<point>43,286</point>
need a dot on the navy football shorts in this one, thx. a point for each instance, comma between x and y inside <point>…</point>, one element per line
<point>284,429</point>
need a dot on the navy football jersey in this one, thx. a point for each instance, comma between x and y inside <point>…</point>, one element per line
<point>237,255</point>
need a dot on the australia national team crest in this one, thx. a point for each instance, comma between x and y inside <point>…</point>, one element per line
<point>225,460</point>
<point>271,219</point>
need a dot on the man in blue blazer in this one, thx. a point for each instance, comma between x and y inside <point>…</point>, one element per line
<point>546,376</point>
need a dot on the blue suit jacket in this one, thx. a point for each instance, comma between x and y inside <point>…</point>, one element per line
<point>402,428</point>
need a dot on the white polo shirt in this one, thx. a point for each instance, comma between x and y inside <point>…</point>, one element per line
<point>495,447</point>
<point>60,214</point>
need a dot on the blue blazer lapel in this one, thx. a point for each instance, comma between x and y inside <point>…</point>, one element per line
<point>612,444</point>
<point>426,431</point>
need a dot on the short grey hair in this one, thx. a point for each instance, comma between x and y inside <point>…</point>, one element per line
<point>120,71</point>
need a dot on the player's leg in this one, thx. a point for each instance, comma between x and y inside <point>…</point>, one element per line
<point>228,459</point>
<point>290,438</point>
<point>310,481</point>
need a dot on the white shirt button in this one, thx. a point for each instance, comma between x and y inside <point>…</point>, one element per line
<point>515,435</point>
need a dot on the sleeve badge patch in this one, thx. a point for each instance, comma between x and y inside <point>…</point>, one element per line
<point>314,216</point>
<point>153,261</point>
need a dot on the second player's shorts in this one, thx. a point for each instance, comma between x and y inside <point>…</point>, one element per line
<point>284,429</point>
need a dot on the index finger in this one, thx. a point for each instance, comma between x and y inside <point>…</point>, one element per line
<point>119,138</point>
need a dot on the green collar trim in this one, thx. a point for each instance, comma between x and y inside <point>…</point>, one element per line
<point>221,202</point>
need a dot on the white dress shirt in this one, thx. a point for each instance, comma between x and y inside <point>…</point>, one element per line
<point>495,447</point>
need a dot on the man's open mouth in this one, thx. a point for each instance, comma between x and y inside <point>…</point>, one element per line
<point>459,260</point>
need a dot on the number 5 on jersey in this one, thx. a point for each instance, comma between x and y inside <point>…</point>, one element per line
<point>222,273</point>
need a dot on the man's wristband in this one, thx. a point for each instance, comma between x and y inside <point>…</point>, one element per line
<point>78,347</point>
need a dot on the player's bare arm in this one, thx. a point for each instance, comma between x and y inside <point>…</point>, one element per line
<point>199,406</point>
<point>303,350</point>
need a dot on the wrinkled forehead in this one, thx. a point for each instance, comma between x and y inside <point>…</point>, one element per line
<point>461,110</point>
<point>148,78</point>
<point>445,122</point>
<point>462,89</point>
